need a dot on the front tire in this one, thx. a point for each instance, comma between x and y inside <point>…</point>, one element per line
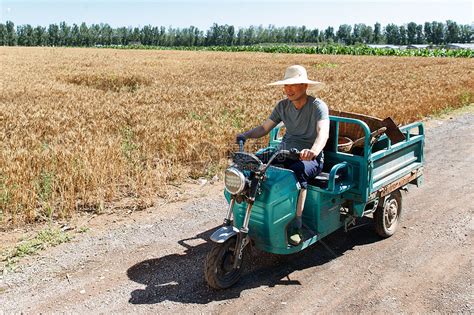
<point>219,268</point>
<point>387,216</point>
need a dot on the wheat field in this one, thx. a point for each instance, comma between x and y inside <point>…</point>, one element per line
<point>84,128</point>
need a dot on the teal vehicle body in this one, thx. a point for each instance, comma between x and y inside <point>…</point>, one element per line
<point>364,180</point>
<point>367,178</point>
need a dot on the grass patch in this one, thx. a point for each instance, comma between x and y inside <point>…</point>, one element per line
<point>325,65</point>
<point>129,146</point>
<point>465,104</point>
<point>83,229</point>
<point>48,237</point>
<point>444,111</point>
<point>449,111</point>
<point>466,98</point>
<point>5,196</point>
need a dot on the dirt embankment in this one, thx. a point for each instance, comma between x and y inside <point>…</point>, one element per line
<point>152,262</point>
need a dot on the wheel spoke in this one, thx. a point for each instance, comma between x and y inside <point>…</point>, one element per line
<point>388,222</point>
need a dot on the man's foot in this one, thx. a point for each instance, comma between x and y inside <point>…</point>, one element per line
<point>296,237</point>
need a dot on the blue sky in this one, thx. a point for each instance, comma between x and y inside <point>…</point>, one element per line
<point>240,13</point>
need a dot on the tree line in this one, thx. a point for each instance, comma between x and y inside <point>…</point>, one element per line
<point>83,35</point>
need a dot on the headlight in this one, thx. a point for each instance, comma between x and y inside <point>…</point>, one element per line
<point>234,181</point>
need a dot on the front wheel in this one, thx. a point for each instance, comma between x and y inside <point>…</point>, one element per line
<point>387,216</point>
<point>219,266</point>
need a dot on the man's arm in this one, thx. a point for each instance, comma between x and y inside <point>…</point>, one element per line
<point>261,130</point>
<point>322,128</point>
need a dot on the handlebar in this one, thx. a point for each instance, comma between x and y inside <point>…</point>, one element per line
<point>293,154</point>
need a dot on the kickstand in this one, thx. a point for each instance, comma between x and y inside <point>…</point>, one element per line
<point>329,249</point>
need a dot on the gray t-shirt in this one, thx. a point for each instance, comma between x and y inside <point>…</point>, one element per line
<point>300,124</point>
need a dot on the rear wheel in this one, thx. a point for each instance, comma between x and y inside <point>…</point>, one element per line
<point>219,266</point>
<point>387,216</point>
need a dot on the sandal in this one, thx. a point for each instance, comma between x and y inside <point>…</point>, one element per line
<point>295,238</point>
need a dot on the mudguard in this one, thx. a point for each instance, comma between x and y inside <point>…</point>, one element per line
<point>224,233</point>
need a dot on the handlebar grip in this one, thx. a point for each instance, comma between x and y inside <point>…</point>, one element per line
<point>241,145</point>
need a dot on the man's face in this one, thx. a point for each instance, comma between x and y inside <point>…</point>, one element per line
<point>295,92</point>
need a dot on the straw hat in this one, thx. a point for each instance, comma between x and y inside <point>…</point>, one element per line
<point>296,75</point>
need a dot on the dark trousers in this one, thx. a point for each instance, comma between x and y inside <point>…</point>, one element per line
<point>304,170</point>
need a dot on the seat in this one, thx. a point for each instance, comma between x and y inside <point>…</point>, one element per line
<point>322,180</point>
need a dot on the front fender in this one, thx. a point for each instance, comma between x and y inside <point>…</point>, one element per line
<point>224,233</point>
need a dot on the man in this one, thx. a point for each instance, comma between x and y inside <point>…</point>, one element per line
<point>307,129</point>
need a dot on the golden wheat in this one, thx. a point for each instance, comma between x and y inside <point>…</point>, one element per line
<point>85,127</point>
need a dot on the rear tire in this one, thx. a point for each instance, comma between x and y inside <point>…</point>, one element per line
<point>219,268</point>
<point>387,216</point>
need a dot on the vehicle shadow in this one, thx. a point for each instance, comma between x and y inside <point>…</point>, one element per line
<point>180,277</point>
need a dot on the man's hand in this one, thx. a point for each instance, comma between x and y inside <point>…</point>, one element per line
<point>240,137</point>
<point>307,155</point>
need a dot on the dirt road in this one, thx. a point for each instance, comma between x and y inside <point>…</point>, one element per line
<point>151,261</point>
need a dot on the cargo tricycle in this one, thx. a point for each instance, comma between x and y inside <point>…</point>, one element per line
<point>367,162</point>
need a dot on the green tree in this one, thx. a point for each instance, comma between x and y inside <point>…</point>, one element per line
<point>329,34</point>
<point>411,33</point>
<point>356,34</point>
<point>53,35</point>
<point>437,29</point>
<point>428,33</point>
<point>314,36</point>
<point>303,34</point>
<point>240,37</point>
<point>212,35</point>
<point>85,39</point>
<point>344,34</point>
<point>230,35</point>
<point>155,32</point>
<point>21,35</point>
<point>199,37</point>
<point>452,32</point>
<point>250,35</point>
<point>403,35</point>
<point>95,34</point>
<point>465,33</point>
<point>3,34</point>
<point>366,34</point>
<point>40,36</point>
<point>64,34</point>
<point>107,33</point>
<point>420,37</point>
<point>135,35</point>
<point>75,35</point>
<point>377,33</point>
<point>11,34</point>
<point>290,34</point>
<point>146,37</point>
<point>271,34</point>
<point>392,34</point>
<point>122,36</point>
<point>30,35</point>
<point>279,35</point>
